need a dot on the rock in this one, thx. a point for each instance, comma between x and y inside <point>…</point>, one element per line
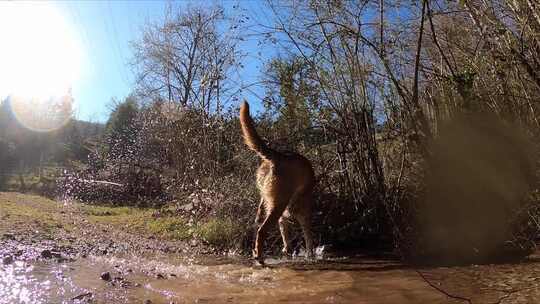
<point>8,236</point>
<point>82,296</point>
<point>64,259</point>
<point>122,282</point>
<point>106,276</point>
<point>7,260</point>
<point>187,207</point>
<point>46,254</point>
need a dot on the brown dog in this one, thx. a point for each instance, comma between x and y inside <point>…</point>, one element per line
<point>285,182</point>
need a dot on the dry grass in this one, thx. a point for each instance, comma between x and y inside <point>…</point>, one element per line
<point>24,211</point>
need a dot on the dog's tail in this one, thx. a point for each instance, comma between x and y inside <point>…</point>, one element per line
<point>251,138</point>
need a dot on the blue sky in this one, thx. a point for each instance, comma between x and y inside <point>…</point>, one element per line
<point>104,31</point>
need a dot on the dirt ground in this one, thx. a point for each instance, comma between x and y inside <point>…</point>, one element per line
<point>38,224</point>
<point>38,231</point>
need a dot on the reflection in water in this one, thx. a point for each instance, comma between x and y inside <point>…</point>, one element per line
<point>22,282</point>
<point>183,280</point>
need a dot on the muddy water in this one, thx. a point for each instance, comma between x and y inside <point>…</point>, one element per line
<point>213,280</point>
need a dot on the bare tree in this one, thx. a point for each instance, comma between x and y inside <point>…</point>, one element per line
<point>327,36</point>
<point>389,72</point>
<point>188,58</point>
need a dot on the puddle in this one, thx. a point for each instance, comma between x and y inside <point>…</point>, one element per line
<point>167,279</point>
<point>39,282</point>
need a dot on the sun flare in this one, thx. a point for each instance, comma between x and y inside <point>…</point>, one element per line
<point>40,57</point>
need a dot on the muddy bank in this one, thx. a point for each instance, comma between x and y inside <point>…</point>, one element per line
<point>32,224</point>
<point>55,252</point>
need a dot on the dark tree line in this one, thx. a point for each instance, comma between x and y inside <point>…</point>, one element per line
<point>27,151</point>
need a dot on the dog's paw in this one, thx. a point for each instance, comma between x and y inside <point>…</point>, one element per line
<point>255,254</point>
<point>258,257</point>
<point>310,259</point>
<point>287,252</point>
<point>309,255</point>
<point>260,262</point>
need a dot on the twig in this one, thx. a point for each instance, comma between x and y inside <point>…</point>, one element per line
<point>442,290</point>
<point>99,182</point>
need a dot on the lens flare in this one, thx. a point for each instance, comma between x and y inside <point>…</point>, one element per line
<point>40,62</point>
<point>42,115</point>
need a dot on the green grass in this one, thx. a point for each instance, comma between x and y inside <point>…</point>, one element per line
<point>26,210</point>
<point>32,210</point>
<point>170,227</point>
<point>218,232</point>
<point>140,220</point>
<point>126,217</point>
<point>101,211</point>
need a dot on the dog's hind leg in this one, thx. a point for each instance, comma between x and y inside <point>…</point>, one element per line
<point>305,223</point>
<point>272,216</point>
<point>303,216</point>
<point>284,226</point>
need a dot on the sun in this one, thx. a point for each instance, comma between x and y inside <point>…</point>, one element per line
<point>40,56</point>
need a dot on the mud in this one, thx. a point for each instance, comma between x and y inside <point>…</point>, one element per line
<point>91,263</point>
